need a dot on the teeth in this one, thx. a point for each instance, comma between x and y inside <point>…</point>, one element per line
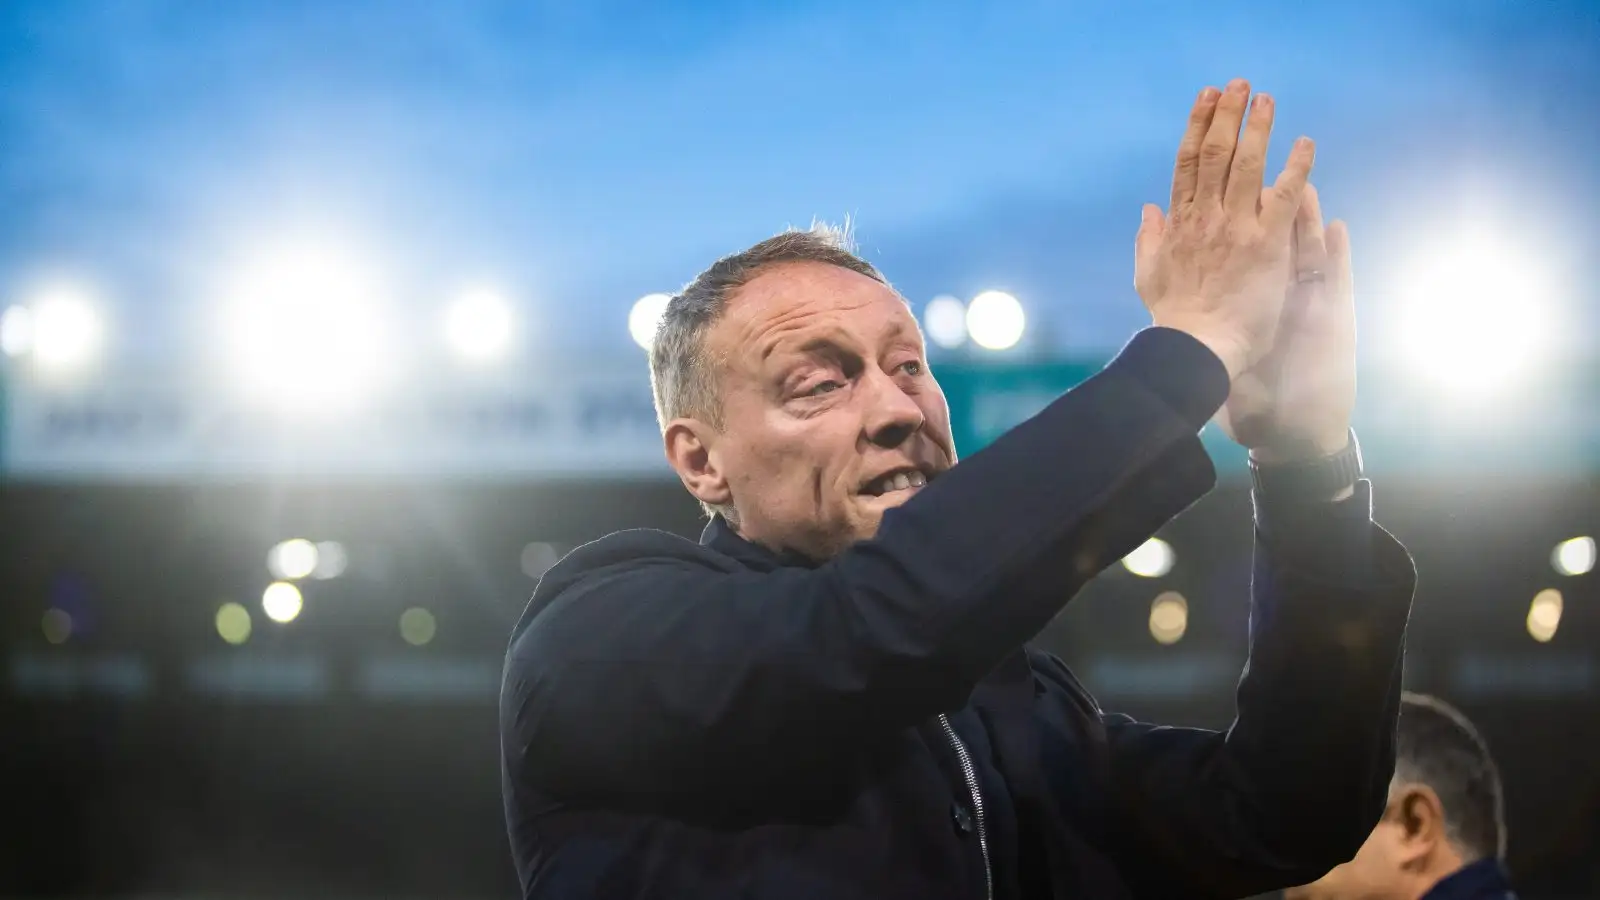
<point>901,482</point>
<point>918,479</point>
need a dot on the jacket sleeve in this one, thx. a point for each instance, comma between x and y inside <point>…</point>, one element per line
<point>668,673</point>
<point>1294,787</point>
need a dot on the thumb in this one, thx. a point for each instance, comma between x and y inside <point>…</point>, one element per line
<point>1152,225</point>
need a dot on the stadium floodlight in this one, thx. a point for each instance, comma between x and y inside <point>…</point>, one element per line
<point>645,317</point>
<point>995,320</point>
<point>1151,559</point>
<point>1169,617</point>
<point>477,325</point>
<point>307,333</point>
<point>60,327</point>
<point>945,321</point>
<point>1476,314</point>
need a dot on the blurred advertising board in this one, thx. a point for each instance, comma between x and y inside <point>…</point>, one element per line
<point>598,422</point>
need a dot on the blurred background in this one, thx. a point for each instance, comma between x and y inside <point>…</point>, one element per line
<point>322,328</point>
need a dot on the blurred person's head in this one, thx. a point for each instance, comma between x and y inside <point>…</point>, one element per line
<point>1444,812</point>
<point>794,394</point>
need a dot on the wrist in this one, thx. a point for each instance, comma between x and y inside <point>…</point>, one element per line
<point>1227,348</point>
<point>1293,451</point>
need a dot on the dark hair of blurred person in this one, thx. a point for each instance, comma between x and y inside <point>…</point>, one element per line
<point>1443,834</point>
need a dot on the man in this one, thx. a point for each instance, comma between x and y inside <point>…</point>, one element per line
<point>1443,834</point>
<point>829,695</point>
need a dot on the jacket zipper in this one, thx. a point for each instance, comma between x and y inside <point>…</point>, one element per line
<point>970,773</point>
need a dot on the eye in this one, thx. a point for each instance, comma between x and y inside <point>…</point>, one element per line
<point>826,387</point>
<point>912,367</point>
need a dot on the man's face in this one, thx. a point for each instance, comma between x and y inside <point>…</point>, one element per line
<point>830,415</point>
<point>1376,873</point>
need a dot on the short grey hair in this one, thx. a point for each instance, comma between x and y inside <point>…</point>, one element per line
<point>683,374</point>
<point>1440,748</point>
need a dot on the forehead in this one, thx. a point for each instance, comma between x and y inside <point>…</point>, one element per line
<point>796,303</point>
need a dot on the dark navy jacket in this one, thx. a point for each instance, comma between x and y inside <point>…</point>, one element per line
<point>687,720</point>
<point>1482,880</point>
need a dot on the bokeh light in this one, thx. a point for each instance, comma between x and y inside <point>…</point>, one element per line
<point>56,625</point>
<point>417,626</point>
<point>1151,559</point>
<point>945,321</point>
<point>1544,615</point>
<point>477,325</point>
<point>332,560</point>
<point>995,320</point>
<point>293,559</point>
<point>281,601</point>
<point>645,317</point>
<point>1574,557</point>
<point>233,623</point>
<point>64,330</point>
<point>1169,617</point>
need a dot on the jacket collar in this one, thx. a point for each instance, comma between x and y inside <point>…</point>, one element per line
<point>1483,880</point>
<point>721,537</point>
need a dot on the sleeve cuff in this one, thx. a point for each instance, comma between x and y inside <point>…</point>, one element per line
<point>1330,539</point>
<point>1179,369</point>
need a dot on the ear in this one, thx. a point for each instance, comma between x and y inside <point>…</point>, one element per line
<point>1420,815</point>
<point>690,447</point>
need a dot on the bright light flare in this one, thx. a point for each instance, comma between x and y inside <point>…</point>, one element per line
<point>1151,559</point>
<point>995,320</point>
<point>1544,615</point>
<point>60,327</point>
<point>281,601</point>
<point>645,318</point>
<point>1169,617</point>
<point>945,321</point>
<point>1478,315</point>
<point>307,331</point>
<point>1574,557</point>
<point>477,325</point>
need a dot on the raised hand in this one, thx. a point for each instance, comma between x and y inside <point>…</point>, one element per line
<point>1216,264</point>
<point>1295,403</point>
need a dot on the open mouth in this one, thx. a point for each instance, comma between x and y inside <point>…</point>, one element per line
<point>897,480</point>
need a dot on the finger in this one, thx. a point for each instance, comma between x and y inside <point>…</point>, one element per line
<point>1151,228</point>
<point>1340,278</point>
<point>1244,181</point>
<point>1188,166</point>
<point>1216,151</point>
<point>1311,252</point>
<point>1282,202</point>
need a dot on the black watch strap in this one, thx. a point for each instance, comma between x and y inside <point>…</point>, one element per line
<point>1318,479</point>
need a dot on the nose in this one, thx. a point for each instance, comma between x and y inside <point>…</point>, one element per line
<point>892,415</point>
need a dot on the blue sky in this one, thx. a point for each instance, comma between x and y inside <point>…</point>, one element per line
<point>582,154</point>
